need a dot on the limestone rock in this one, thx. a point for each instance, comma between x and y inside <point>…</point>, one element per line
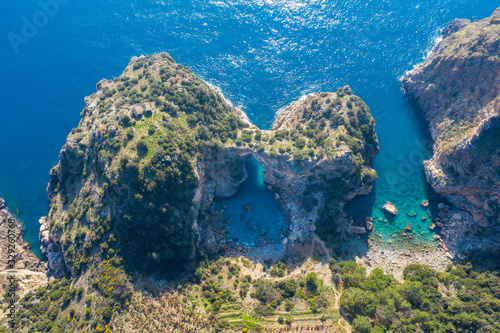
<point>390,208</point>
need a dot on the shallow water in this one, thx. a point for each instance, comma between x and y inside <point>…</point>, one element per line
<point>252,211</point>
<point>262,54</point>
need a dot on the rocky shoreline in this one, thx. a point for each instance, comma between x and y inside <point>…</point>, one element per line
<point>29,271</point>
<point>25,259</point>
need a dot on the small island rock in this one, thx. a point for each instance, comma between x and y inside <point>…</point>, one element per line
<point>390,208</point>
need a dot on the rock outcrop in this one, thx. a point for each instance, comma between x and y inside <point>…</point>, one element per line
<point>50,248</point>
<point>458,88</point>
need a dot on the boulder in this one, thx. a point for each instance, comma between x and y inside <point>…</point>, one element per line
<point>369,226</point>
<point>2,203</point>
<point>369,223</point>
<point>457,217</point>
<point>424,203</point>
<point>439,225</point>
<point>276,196</point>
<point>408,227</point>
<point>432,226</point>
<point>390,208</point>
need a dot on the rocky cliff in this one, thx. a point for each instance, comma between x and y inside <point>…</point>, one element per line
<point>458,88</point>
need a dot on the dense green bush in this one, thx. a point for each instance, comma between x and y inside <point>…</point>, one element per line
<point>420,304</point>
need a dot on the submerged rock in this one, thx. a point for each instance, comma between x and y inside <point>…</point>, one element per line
<point>411,213</point>
<point>390,208</point>
<point>369,223</point>
<point>359,230</point>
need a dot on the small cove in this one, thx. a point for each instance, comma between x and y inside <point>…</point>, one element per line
<point>252,210</point>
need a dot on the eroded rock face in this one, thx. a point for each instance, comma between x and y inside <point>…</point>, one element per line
<point>143,183</point>
<point>458,89</point>
<point>50,248</point>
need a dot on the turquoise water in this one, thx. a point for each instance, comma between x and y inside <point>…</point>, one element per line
<point>262,54</point>
<point>252,211</point>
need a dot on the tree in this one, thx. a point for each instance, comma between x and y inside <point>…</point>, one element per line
<point>361,324</point>
<point>412,291</point>
<point>358,302</point>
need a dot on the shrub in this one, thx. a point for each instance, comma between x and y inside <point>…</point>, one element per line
<point>300,143</point>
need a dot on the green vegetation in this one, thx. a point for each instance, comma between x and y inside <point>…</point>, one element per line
<point>458,300</point>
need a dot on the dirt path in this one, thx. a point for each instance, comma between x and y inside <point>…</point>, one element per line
<point>316,239</point>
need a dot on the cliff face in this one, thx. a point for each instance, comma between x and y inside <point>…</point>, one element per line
<point>458,89</point>
<point>155,146</point>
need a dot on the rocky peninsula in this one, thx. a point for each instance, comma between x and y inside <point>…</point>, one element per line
<point>458,88</point>
<point>156,145</point>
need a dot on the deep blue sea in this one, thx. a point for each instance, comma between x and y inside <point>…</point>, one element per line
<point>262,54</point>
